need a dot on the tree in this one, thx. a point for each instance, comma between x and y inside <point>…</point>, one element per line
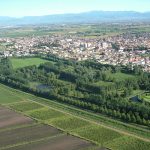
<point>128,117</point>
<point>133,119</point>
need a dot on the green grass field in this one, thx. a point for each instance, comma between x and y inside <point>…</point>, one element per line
<point>24,62</point>
<point>103,83</point>
<point>26,106</point>
<point>98,134</point>
<point>7,96</point>
<point>128,143</point>
<point>23,32</point>
<point>121,76</point>
<point>45,114</point>
<point>146,97</point>
<point>69,123</point>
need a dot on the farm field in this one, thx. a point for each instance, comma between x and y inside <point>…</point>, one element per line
<point>74,125</point>
<point>22,32</point>
<point>128,143</point>
<point>19,62</point>
<point>26,106</point>
<point>90,31</point>
<point>67,122</point>
<point>26,134</point>
<point>82,128</point>
<point>32,135</point>
<point>98,134</point>
<point>58,143</point>
<point>7,97</point>
<point>45,114</point>
<point>9,118</point>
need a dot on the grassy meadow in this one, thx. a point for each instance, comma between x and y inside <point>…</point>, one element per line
<point>24,62</point>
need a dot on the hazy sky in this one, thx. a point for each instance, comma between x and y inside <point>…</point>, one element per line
<point>20,8</point>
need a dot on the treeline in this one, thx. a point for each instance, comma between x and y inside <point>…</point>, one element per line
<point>74,83</point>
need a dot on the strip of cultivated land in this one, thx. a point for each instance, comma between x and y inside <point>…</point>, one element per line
<point>11,119</point>
<point>32,134</point>
<point>72,121</point>
<point>57,143</point>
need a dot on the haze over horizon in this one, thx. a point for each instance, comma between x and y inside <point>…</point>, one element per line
<point>21,8</point>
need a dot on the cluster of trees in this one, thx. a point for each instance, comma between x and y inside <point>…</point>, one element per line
<point>5,66</point>
<point>74,83</point>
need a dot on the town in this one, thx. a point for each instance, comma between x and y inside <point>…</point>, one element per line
<point>74,75</point>
<point>123,49</point>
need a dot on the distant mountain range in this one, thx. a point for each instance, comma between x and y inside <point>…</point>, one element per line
<point>86,17</point>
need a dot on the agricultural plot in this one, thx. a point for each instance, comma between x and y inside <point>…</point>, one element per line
<point>98,134</point>
<point>58,119</point>
<point>69,123</point>
<point>46,114</point>
<point>24,62</point>
<point>20,132</point>
<point>26,106</point>
<point>7,96</point>
<point>59,143</point>
<point>26,32</point>
<point>9,118</point>
<point>77,126</point>
<point>26,134</point>
<point>128,143</point>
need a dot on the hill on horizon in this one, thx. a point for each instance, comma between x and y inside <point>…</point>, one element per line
<point>85,17</point>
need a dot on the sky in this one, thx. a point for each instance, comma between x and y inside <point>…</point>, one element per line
<point>20,8</point>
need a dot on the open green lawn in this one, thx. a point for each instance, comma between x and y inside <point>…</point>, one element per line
<point>103,83</point>
<point>136,92</point>
<point>121,76</point>
<point>24,62</point>
<point>146,97</point>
